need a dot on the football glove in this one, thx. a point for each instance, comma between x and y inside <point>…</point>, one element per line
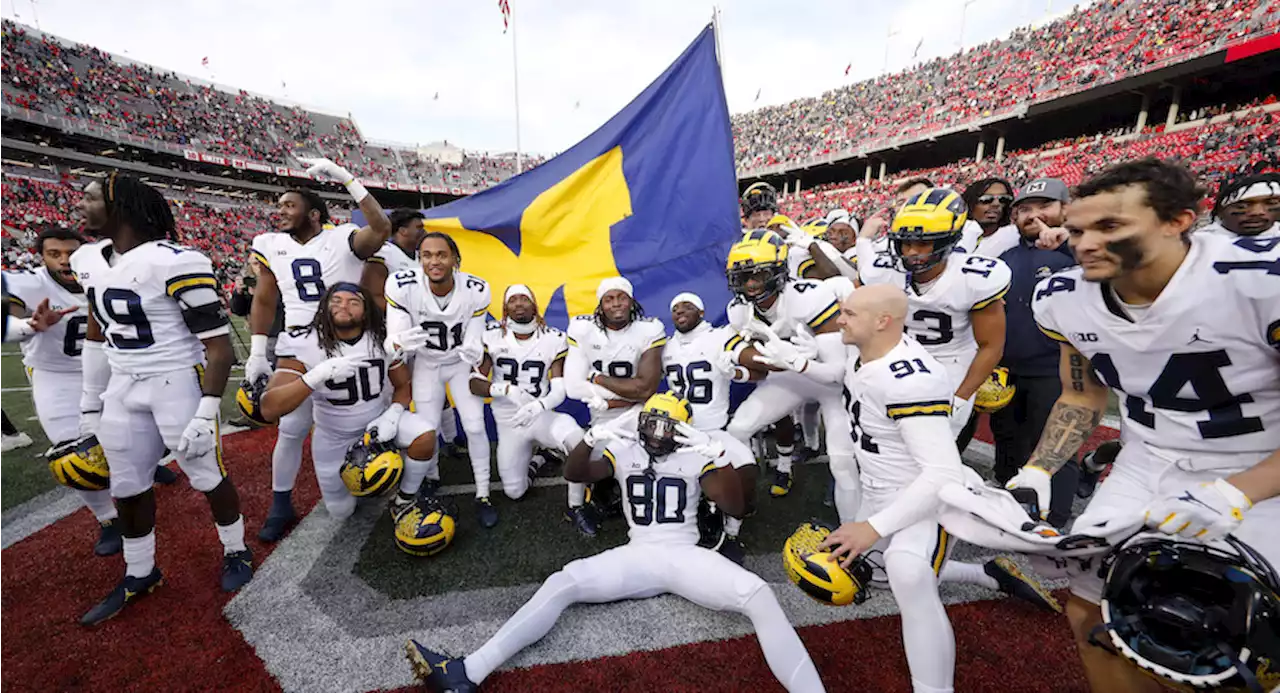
<point>201,434</point>
<point>384,427</point>
<point>257,365</point>
<point>89,422</point>
<point>527,413</point>
<point>805,342</point>
<point>603,434</point>
<point>324,170</point>
<point>1205,512</point>
<point>698,441</point>
<point>782,354</point>
<point>336,368</point>
<point>1028,481</point>
<point>597,404</point>
<point>795,236</point>
<point>470,353</point>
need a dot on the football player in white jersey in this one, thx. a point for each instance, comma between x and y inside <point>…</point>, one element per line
<point>614,365</point>
<point>303,257</point>
<point>772,306</point>
<point>1248,206</point>
<point>661,482</point>
<point>957,308</point>
<point>436,314</point>
<point>339,362</point>
<point>1185,328</point>
<point>699,371</point>
<point>52,358</point>
<point>522,370</point>
<point>399,253</point>
<point>156,359</point>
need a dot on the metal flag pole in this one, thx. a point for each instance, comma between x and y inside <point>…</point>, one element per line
<point>515,73</point>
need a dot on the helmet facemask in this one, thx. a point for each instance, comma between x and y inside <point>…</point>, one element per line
<point>773,275</point>
<point>915,264</point>
<point>657,433</point>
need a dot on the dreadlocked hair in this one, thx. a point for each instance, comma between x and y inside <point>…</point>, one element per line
<point>637,312</point>
<point>140,206</point>
<point>374,324</point>
<point>537,316</point>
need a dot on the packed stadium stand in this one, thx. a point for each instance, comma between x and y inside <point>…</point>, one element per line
<point>1064,94</point>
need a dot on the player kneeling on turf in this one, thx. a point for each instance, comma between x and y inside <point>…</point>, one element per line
<point>339,363</point>
<point>662,475</point>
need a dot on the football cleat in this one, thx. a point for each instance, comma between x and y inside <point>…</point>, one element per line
<point>110,541</point>
<point>130,589</point>
<point>424,528</point>
<point>781,484</point>
<point>486,514</point>
<point>249,400</point>
<point>438,671</point>
<point>165,476</point>
<point>604,499</point>
<point>819,574</point>
<point>276,526</point>
<point>371,468</point>
<point>582,520</point>
<point>710,524</point>
<point>731,548</point>
<point>399,504</point>
<point>1013,582</point>
<point>80,464</point>
<point>237,569</point>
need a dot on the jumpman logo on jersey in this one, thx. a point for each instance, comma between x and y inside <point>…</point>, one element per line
<point>1195,337</point>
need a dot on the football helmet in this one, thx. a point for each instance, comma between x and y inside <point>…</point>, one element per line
<point>371,468</point>
<point>995,393</point>
<point>658,419</point>
<point>779,221</point>
<point>1196,615</point>
<point>249,399</point>
<point>424,527</point>
<point>936,215</point>
<point>759,254</point>
<point>80,464</point>
<point>819,574</point>
<point>759,197</point>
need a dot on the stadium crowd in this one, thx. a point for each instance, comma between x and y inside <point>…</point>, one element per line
<point>1102,42</point>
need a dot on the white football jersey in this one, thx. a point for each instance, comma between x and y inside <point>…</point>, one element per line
<point>525,363</point>
<point>1198,370</point>
<point>615,353</point>
<point>395,259</point>
<point>905,382</point>
<point>807,301</point>
<point>938,315</point>
<point>57,348</point>
<point>154,304</point>
<point>688,359</point>
<point>410,291</point>
<point>344,406</point>
<point>660,496</point>
<point>304,270</point>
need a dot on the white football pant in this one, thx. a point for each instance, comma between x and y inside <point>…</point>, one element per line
<point>329,449</point>
<point>429,398</point>
<point>55,394</point>
<point>550,429</point>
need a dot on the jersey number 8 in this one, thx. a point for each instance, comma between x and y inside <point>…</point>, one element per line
<point>651,499</point>
<point>307,278</point>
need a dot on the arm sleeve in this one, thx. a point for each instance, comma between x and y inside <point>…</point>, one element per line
<point>830,364</point>
<point>930,443</point>
<point>847,269</point>
<point>191,283</point>
<point>97,373</point>
<point>556,396</point>
<point>576,367</point>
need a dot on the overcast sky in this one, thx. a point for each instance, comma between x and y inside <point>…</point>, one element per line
<point>385,61</point>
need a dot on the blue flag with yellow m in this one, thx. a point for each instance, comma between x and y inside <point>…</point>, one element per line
<point>651,196</point>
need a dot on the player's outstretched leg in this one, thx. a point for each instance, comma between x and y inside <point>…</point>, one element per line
<point>141,577</point>
<point>926,630</point>
<point>1003,575</point>
<point>286,460</point>
<point>783,650</point>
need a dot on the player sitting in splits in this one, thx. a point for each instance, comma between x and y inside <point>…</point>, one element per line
<point>661,479</point>
<point>156,359</point>
<point>521,370</point>
<point>338,363</point>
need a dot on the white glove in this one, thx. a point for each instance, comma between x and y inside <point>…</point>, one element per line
<point>1205,512</point>
<point>336,368</point>
<point>795,237</point>
<point>201,434</point>
<point>597,404</point>
<point>1035,479</point>
<point>410,340</point>
<point>725,362</point>
<point>89,422</point>
<point>782,354</point>
<point>324,170</point>
<point>527,413</point>
<point>471,354</point>
<point>756,330</point>
<point>257,364</point>
<point>805,342</point>
<point>508,390</point>
<point>600,435</point>
<point>698,442</point>
<point>387,424</point>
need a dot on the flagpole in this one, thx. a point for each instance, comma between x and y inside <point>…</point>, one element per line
<point>515,75</point>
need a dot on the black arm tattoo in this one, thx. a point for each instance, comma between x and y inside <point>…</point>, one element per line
<point>1080,369</point>
<point>1068,427</point>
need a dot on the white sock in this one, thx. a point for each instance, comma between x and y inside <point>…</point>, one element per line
<point>783,651</point>
<point>528,625</point>
<point>577,494</point>
<point>414,472</point>
<point>140,555</point>
<point>478,450</point>
<point>972,573</point>
<point>100,504</point>
<point>231,536</point>
<point>784,457</point>
<point>286,460</point>
<point>927,636</point>
<point>448,426</point>
<point>732,525</point>
<point>811,429</point>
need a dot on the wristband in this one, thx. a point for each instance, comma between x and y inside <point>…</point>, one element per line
<point>209,406</point>
<point>357,191</point>
<point>258,345</point>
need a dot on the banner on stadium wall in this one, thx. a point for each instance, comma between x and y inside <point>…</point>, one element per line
<point>651,196</point>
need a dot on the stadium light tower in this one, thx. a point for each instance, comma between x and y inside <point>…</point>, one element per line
<point>964,12</point>
<point>888,37</point>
